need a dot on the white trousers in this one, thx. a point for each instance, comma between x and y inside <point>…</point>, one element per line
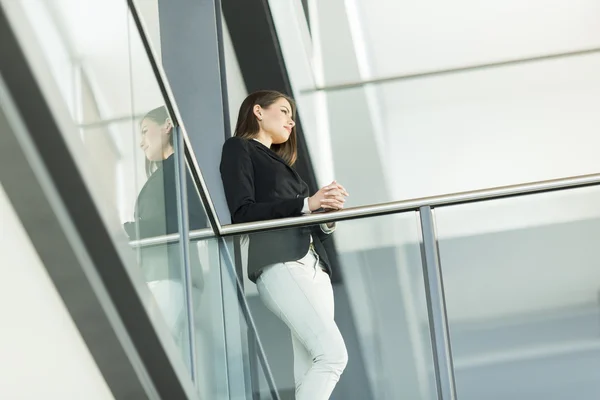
<point>301,295</point>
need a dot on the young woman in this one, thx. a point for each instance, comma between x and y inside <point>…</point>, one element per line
<point>156,215</point>
<point>290,267</point>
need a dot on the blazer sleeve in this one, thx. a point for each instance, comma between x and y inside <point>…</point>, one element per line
<point>323,236</point>
<point>237,174</point>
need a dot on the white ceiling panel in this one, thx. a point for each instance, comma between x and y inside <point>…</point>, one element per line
<point>405,37</point>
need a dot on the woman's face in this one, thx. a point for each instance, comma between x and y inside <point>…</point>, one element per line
<point>155,139</point>
<point>277,120</point>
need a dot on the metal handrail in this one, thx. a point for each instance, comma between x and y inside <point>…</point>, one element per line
<point>385,208</point>
<point>199,234</point>
<point>415,204</point>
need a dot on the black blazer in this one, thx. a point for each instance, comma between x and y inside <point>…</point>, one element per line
<point>259,185</point>
<point>156,206</point>
<point>156,215</point>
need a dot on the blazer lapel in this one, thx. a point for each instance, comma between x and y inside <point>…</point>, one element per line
<point>274,155</point>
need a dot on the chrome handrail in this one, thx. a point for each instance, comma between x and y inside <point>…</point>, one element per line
<point>385,208</point>
<point>415,204</point>
<point>199,234</point>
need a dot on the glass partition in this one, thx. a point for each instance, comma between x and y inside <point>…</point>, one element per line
<point>522,285</point>
<point>103,91</point>
<point>380,307</point>
<point>101,85</point>
<point>459,132</point>
<point>418,132</point>
<point>207,310</point>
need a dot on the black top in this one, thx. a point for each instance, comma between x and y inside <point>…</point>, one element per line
<point>260,185</point>
<point>156,207</point>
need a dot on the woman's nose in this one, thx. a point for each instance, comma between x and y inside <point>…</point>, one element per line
<point>142,143</point>
<point>292,123</point>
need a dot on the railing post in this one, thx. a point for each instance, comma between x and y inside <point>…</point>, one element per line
<point>436,308</point>
<point>245,307</point>
<point>184,246</point>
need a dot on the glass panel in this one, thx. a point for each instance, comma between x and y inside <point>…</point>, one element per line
<point>211,373</point>
<point>336,114</point>
<point>244,355</point>
<point>263,392</point>
<point>109,106</point>
<point>149,14</point>
<point>453,132</point>
<point>521,281</point>
<point>491,127</point>
<point>380,306</point>
<point>153,144</point>
<point>460,141</point>
<point>251,383</point>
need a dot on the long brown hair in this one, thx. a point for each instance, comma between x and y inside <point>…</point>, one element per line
<point>247,124</point>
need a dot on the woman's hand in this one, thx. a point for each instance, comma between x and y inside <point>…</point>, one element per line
<point>330,197</point>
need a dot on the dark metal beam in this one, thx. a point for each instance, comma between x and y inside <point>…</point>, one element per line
<point>192,56</point>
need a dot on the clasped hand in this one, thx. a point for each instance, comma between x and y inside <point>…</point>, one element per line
<point>330,198</point>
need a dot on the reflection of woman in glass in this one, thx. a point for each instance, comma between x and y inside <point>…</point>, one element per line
<point>156,215</point>
<point>290,267</point>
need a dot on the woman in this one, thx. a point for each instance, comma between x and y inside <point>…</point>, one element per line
<point>156,215</point>
<point>290,267</point>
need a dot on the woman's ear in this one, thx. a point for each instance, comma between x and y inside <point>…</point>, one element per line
<point>258,111</point>
<point>168,125</point>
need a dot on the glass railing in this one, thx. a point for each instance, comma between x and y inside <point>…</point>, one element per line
<point>477,295</point>
<point>380,308</point>
<point>445,121</point>
<point>446,297</point>
<point>522,285</point>
<point>222,345</point>
<point>101,84</point>
<point>116,117</point>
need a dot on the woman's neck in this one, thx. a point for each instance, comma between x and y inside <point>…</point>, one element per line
<point>264,139</point>
<point>167,152</point>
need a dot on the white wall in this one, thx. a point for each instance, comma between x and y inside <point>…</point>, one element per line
<point>494,127</point>
<point>42,355</point>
